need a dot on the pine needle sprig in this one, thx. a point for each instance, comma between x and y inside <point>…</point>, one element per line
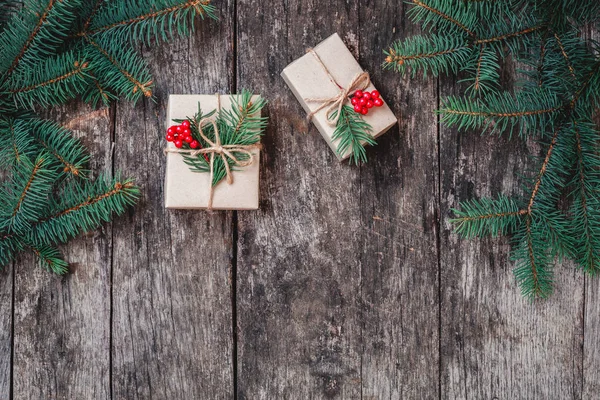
<point>533,269</point>
<point>434,54</point>
<point>52,52</point>
<point>50,258</point>
<point>241,124</point>
<point>25,195</point>
<point>84,207</point>
<point>33,34</point>
<point>122,70</point>
<point>485,217</point>
<point>352,133</point>
<point>525,112</point>
<point>67,151</point>
<point>53,81</point>
<point>147,20</point>
<point>16,143</point>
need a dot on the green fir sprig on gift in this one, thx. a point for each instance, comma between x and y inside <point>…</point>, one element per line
<point>52,52</point>
<point>241,124</point>
<point>353,132</point>
<point>556,105</point>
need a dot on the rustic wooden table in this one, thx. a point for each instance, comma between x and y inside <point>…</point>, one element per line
<point>348,283</point>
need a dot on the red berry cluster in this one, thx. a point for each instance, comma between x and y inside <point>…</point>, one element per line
<point>180,134</point>
<point>362,101</point>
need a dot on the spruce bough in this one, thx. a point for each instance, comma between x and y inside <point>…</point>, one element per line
<point>556,105</point>
<point>54,51</point>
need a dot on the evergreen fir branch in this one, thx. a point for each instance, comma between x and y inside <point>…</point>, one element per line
<point>50,258</point>
<point>123,70</point>
<point>35,33</point>
<point>245,118</point>
<point>542,173</point>
<point>533,271</point>
<point>483,71</point>
<point>10,245</point>
<point>527,111</point>
<point>513,38</point>
<point>435,54</point>
<point>444,15</point>
<point>53,81</point>
<point>562,85</point>
<point>89,12</point>
<point>487,217</point>
<point>96,94</point>
<point>26,195</point>
<point>353,133</point>
<point>144,20</point>
<point>586,206</point>
<point>15,143</point>
<point>566,57</point>
<point>59,142</point>
<point>83,207</point>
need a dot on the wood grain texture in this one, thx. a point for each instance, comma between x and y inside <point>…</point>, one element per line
<point>62,324</point>
<point>350,283</point>
<point>6,309</point>
<point>172,312</point>
<point>299,257</point>
<point>495,343</point>
<point>326,267</point>
<point>399,212</point>
<point>591,317</point>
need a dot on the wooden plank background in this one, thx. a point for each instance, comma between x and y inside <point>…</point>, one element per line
<point>347,283</point>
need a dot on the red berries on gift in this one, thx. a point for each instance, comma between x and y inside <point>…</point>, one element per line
<point>362,101</point>
<point>179,134</point>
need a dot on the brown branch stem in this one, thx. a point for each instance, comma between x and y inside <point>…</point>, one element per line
<point>445,16</point>
<point>189,4</point>
<point>34,172</point>
<point>33,35</point>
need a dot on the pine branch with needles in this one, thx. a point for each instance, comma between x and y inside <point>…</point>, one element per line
<point>54,51</point>
<point>555,104</point>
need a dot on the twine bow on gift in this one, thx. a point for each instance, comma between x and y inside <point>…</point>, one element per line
<point>226,151</point>
<point>360,81</point>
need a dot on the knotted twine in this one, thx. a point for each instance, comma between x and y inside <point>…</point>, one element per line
<point>217,149</point>
<point>361,81</point>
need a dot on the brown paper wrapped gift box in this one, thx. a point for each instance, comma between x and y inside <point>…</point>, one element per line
<point>307,79</point>
<point>185,189</point>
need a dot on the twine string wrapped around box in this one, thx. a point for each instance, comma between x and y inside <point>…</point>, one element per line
<point>361,81</point>
<point>226,151</point>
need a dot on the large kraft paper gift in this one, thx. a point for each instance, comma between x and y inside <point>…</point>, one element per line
<point>185,189</point>
<point>310,77</point>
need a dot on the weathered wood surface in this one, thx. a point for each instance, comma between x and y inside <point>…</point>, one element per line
<point>591,320</point>
<point>494,343</point>
<point>348,283</point>
<point>62,324</point>
<point>172,310</point>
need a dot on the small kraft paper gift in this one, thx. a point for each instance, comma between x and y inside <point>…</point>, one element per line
<point>339,98</point>
<point>213,151</point>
